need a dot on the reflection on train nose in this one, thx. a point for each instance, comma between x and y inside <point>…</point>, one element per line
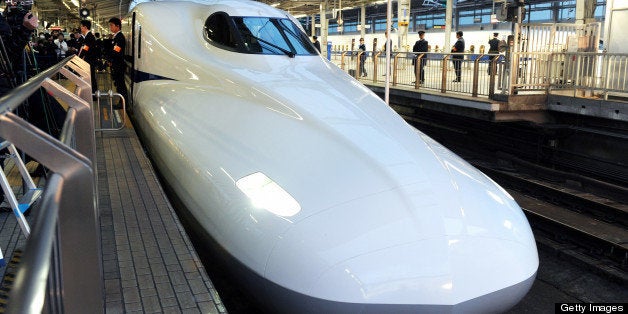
<point>267,194</point>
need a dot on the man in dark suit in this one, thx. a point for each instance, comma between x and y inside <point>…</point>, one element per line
<point>362,49</point>
<point>421,47</point>
<point>88,51</point>
<point>116,58</point>
<point>458,56</point>
<point>317,44</point>
<point>493,49</point>
<point>388,45</point>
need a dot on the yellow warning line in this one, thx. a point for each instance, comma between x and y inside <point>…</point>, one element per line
<point>105,114</point>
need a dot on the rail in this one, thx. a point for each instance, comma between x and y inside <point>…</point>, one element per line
<point>532,71</point>
<point>485,75</point>
<point>107,105</point>
<point>438,70</point>
<point>61,267</point>
<point>119,115</point>
<point>590,74</point>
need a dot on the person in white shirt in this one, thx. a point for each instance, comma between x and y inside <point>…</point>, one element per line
<point>62,46</point>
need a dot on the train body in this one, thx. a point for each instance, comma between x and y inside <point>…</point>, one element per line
<point>324,195</point>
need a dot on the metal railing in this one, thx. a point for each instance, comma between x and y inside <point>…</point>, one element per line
<point>112,113</point>
<point>61,268</point>
<point>555,37</point>
<point>590,74</point>
<point>584,73</point>
<point>439,73</point>
<point>532,71</point>
<point>110,119</point>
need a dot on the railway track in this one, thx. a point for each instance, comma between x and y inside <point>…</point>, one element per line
<point>596,153</point>
<point>583,219</point>
<point>587,228</point>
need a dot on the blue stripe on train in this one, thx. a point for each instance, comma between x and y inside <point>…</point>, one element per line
<point>141,76</point>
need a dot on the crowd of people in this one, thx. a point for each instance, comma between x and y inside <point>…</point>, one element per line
<point>99,51</point>
<point>24,53</point>
<point>421,47</point>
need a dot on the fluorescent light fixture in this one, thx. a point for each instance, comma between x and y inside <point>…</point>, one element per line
<point>267,194</point>
<point>274,5</point>
<point>75,2</point>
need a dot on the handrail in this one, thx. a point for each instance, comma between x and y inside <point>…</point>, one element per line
<point>20,93</point>
<point>394,66</point>
<point>342,59</point>
<point>476,73</point>
<point>31,297</point>
<point>443,88</point>
<point>98,94</point>
<point>417,69</point>
<point>597,73</point>
<point>600,73</point>
<point>491,84</point>
<point>63,251</point>
<point>359,64</point>
<point>375,66</point>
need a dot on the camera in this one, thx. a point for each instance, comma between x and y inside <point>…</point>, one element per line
<point>16,10</point>
<point>24,5</point>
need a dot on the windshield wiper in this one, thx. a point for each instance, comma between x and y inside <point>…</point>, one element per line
<point>286,52</point>
<point>285,28</point>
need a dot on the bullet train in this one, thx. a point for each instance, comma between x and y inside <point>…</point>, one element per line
<point>324,198</point>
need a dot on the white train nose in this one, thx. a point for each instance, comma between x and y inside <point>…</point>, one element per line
<point>438,273</point>
<point>398,247</point>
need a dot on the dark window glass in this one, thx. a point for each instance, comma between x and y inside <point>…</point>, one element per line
<point>218,30</point>
<point>257,35</point>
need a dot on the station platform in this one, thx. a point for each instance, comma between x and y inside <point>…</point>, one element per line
<point>521,107</point>
<point>149,264</point>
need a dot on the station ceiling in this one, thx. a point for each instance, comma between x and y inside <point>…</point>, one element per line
<point>297,7</point>
<point>65,13</point>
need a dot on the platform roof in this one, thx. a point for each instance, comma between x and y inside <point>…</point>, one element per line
<point>65,13</point>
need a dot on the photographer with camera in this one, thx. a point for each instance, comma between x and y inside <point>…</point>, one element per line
<point>62,46</point>
<point>16,27</point>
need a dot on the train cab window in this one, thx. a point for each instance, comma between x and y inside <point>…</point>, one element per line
<point>258,35</point>
<point>219,31</point>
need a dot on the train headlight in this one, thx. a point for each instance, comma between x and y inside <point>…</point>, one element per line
<point>267,194</point>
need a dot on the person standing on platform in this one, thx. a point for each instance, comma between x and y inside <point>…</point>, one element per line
<point>72,44</point>
<point>458,56</point>
<point>62,47</point>
<point>317,44</point>
<point>101,56</point>
<point>116,58</point>
<point>362,49</point>
<point>388,45</point>
<point>89,52</point>
<point>493,49</point>
<point>421,47</point>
